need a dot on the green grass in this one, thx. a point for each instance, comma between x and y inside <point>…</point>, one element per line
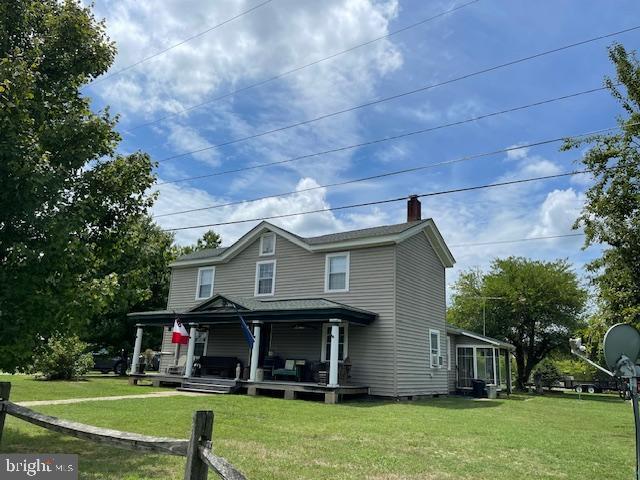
<point>551,437</point>
<point>25,387</point>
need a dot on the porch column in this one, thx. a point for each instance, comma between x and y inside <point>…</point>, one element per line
<point>335,350</point>
<point>190,349</point>
<point>136,351</point>
<point>255,351</point>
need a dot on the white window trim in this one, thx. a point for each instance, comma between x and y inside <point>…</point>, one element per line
<point>449,361</point>
<point>273,283</point>
<point>437,332</point>
<point>326,272</point>
<point>326,327</point>
<point>206,343</point>
<point>213,281</point>
<point>269,234</point>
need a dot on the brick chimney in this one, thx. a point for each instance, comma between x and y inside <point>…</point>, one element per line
<point>414,209</point>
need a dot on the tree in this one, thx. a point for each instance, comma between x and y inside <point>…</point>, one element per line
<point>536,308</point>
<point>611,214</point>
<point>68,202</point>
<point>549,373</point>
<point>209,239</point>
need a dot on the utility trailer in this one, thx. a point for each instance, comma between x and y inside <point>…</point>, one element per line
<point>593,386</point>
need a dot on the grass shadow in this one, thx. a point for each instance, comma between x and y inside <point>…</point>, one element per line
<point>589,397</point>
<point>96,461</point>
<point>453,402</point>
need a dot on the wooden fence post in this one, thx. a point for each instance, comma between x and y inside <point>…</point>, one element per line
<point>5,391</point>
<point>202,427</point>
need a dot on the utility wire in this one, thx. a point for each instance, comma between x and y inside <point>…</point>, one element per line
<point>391,200</point>
<point>300,67</point>
<point>400,95</point>
<point>389,138</point>
<point>391,173</point>
<point>516,240</point>
<point>182,42</point>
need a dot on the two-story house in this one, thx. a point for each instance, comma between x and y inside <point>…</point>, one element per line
<point>354,312</point>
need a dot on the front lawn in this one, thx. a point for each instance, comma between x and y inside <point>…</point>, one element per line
<point>25,387</point>
<point>554,437</point>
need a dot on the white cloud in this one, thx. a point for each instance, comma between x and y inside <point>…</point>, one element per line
<point>264,43</point>
<point>177,198</point>
<point>558,212</point>
<point>518,154</point>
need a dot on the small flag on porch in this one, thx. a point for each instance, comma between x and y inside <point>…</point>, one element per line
<point>248,336</point>
<point>179,334</point>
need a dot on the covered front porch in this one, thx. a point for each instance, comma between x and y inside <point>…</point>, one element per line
<point>301,347</point>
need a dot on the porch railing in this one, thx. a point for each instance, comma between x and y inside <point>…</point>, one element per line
<point>198,449</point>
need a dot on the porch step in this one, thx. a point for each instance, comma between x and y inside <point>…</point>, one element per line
<point>213,381</point>
<point>203,390</point>
<point>208,387</point>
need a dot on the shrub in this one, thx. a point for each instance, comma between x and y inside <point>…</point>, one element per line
<point>549,373</point>
<point>62,358</point>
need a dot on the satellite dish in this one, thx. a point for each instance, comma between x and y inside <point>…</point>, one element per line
<point>621,339</point>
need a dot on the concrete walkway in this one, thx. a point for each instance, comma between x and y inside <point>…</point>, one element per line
<point>171,393</point>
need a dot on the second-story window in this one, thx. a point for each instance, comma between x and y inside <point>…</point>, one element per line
<point>337,272</point>
<point>267,244</point>
<point>265,278</point>
<point>206,276</point>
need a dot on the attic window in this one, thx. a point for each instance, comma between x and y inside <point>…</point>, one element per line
<point>267,244</point>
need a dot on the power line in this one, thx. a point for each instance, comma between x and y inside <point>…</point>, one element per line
<point>389,174</point>
<point>516,240</point>
<point>182,42</point>
<point>400,95</point>
<point>389,138</point>
<point>379,202</point>
<point>299,68</point>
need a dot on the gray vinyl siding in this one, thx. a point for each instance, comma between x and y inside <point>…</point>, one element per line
<point>420,307</point>
<point>228,341</point>
<point>300,274</point>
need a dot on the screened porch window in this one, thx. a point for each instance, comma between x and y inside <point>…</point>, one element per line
<point>481,363</point>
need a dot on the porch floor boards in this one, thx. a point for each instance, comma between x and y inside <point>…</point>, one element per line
<point>225,385</point>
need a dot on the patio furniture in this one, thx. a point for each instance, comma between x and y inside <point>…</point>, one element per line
<point>291,369</point>
<point>179,368</point>
<point>271,363</point>
<point>222,366</point>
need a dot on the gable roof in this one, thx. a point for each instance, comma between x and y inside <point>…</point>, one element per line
<point>366,237</point>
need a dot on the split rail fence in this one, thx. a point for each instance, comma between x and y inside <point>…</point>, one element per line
<point>198,449</point>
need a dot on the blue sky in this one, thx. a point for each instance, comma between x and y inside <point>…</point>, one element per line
<point>288,33</point>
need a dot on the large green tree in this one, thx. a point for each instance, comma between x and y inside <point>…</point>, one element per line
<point>611,214</point>
<point>534,305</point>
<point>72,210</point>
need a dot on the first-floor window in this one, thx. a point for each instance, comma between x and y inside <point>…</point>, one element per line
<point>265,278</point>
<point>200,343</point>
<point>326,342</point>
<point>434,347</point>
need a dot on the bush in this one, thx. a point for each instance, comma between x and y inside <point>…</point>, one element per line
<point>549,373</point>
<point>62,358</point>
